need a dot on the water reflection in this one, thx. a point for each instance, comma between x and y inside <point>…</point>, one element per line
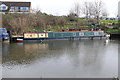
<point>84,58</point>
<point>0,60</point>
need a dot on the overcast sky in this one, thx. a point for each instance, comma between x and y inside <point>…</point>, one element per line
<point>62,7</point>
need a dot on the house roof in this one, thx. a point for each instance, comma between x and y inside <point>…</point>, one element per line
<point>16,4</point>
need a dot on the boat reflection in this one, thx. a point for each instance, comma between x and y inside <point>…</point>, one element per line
<point>77,51</point>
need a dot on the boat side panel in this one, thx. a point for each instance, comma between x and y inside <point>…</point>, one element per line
<point>64,35</point>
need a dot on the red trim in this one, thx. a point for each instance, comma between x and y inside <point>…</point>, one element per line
<point>35,32</point>
<point>78,31</point>
<point>63,31</point>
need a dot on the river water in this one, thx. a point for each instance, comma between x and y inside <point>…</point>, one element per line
<point>60,59</point>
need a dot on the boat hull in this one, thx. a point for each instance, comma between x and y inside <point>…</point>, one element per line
<point>19,40</point>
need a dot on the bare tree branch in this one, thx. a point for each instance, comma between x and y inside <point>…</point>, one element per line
<point>98,5</point>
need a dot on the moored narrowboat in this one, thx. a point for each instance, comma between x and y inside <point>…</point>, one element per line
<point>63,35</point>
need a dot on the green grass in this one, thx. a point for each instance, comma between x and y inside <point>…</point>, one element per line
<point>109,21</point>
<point>68,26</point>
<point>65,27</point>
<point>104,21</point>
<point>109,31</point>
<point>58,28</point>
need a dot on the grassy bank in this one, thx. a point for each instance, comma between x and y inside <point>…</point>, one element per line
<point>59,28</point>
<point>109,21</point>
<point>112,31</point>
<point>39,22</point>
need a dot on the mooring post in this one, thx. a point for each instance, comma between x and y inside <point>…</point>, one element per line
<point>79,38</point>
<point>71,38</point>
<point>91,38</point>
<point>10,36</point>
<point>101,38</point>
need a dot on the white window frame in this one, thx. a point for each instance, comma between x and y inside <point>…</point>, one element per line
<point>12,9</point>
<point>74,34</point>
<point>16,8</point>
<point>21,8</point>
<point>96,33</point>
<point>81,34</point>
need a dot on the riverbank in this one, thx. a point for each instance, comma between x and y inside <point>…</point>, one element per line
<point>44,22</point>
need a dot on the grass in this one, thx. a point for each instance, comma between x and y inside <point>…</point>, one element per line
<point>109,21</point>
<point>65,27</point>
<point>109,31</point>
<point>58,28</point>
<point>105,21</point>
<point>68,26</point>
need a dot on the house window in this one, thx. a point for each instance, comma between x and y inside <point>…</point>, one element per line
<point>3,7</point>
<point>12,9</point>
<point>24,8</point>
<point>16,8</point>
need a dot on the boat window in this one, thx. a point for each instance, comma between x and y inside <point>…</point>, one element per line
<point>96,33</point>
<point>74,34</point>
<point>81,34</point>
<point>30,35</point>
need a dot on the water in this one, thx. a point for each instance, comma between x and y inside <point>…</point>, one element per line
<point>61,59</point>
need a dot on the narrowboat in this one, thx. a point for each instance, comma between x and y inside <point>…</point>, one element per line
<point>63,35</point>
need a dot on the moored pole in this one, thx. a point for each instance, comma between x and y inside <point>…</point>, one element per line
<point>10,36</point>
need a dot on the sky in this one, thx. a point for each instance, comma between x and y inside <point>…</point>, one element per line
<point>62,7</point>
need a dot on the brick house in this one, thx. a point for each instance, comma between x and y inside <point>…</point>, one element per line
<point>14,7</point>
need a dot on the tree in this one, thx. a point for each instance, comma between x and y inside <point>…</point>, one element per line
<point>75,12</point>
<point>77,9</point>
<point>72,14</point>
<point>98,7</point>
<point>22,24</point>
<point>93,9</point>
<point>88,9</point>
<point>104,13</point>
